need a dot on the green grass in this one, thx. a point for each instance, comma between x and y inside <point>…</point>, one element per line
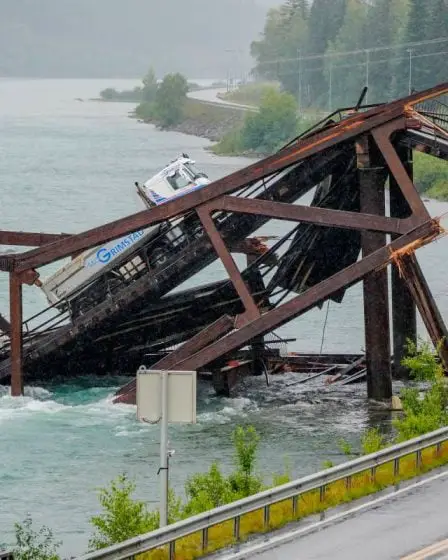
<point>337,493</point>
<point>249,94</point>
<point>431,176</point>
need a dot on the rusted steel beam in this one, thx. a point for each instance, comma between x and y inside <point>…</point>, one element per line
<point>343,131</point>
<point>29,239</point>
<point>320,292</point>
<point>372,178</point>
<point>16,336</point>
<point>416,282</point>
<point>219,328</point>
<point>404,315</point>
<point>398,171</point>
<point>217,241</point>
<point>312,215</point>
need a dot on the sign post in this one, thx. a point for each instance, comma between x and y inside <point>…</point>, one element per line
<point>165,397</point>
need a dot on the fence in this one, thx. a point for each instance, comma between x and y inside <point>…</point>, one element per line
<point>167,537</point>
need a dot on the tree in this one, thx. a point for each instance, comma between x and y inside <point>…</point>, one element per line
<point>325,20</point>
<point>284,37</point>
<point>34,545</point>
<point>122,517</point>
<point>348,73</point>
<point>170,98</point>
<point>275,123</point>
<point>149,90</point>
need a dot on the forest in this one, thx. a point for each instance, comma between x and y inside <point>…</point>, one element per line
<point>324,52</point>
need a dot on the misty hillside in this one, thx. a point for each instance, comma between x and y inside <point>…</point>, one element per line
<point>118,38</point>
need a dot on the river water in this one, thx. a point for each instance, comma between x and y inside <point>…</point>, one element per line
<point>67,165</point>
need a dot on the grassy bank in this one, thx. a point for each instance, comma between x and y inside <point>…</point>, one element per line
<point>198,118</point>
<point>431,176</point>
<point>249,94</point>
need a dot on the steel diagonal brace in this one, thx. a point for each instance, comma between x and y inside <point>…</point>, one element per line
<point>223,253</point>
<point>281,315</point>
<point>398,170</point>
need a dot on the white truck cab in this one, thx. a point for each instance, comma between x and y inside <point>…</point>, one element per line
<point>176,179</point>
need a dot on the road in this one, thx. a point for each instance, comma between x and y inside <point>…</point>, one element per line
<point>412,527</point>
<point>210,96</point>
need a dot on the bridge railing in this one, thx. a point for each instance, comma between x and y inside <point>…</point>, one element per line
<point>167,537</point>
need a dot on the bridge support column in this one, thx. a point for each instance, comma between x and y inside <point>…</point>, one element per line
<point>372,177</point>
<point>404,316</point>
<point>15,303</point>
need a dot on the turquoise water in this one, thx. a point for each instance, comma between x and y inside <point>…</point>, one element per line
<point>67,165</point>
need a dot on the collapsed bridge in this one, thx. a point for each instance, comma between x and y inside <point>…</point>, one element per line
<point>130,311</point>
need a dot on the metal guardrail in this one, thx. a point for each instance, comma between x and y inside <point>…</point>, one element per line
<point>6,555</point>
<point>262,501</point>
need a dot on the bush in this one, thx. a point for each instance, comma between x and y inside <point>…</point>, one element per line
<point>170,99</point>
<point>122,517</point>
<point>34,545</point>
<point>423,413</point>
<point>372,441</point>
<point>274,124</point>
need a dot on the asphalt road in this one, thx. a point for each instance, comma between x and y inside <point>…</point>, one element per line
<point>412,527</point>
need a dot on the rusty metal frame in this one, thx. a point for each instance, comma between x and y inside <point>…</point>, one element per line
<point>277,317</point>
<point>29,239</point>
<point>379,124</point>
<point>344,131</point>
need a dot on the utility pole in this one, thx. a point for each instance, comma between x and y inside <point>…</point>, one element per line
<point>410,71</point>
<point>367,75</point>
<point>330,91</point>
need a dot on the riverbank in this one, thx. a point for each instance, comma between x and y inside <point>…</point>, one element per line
<point>200,118</point>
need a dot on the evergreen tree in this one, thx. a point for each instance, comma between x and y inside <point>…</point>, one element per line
<point>276,53</point>
<point>387,24</point>
<point>437,28</point>
<point>324,22</point>
<point>348,72</point>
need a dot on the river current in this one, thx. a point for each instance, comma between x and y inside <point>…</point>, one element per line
<point>68,164</point>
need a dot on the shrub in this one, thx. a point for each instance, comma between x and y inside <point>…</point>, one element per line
<point>275,123</point>
<point>372,441</point>
<point>122,517</point>
<point>34,545</point>
<point>423,413</point>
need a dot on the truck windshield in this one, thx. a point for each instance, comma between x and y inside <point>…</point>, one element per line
<point>194,171</point>
<point>178,181</point>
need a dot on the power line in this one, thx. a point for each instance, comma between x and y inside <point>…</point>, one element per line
<point>359,51</point>
<point>363,64</point>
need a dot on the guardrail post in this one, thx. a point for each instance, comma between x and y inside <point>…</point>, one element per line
<point>373,475</point>
<point>236,527</point>
<point>266,516</point>
<point>418,459</point>
<point>172,552</point>
<point>438,450</point>
<point>295,505</point>
<point>204,542</point>
<point>348,483</point>
<point>397,467</point>
<point>322,494</point>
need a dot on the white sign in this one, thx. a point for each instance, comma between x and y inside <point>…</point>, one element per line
<point>181,396</point>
